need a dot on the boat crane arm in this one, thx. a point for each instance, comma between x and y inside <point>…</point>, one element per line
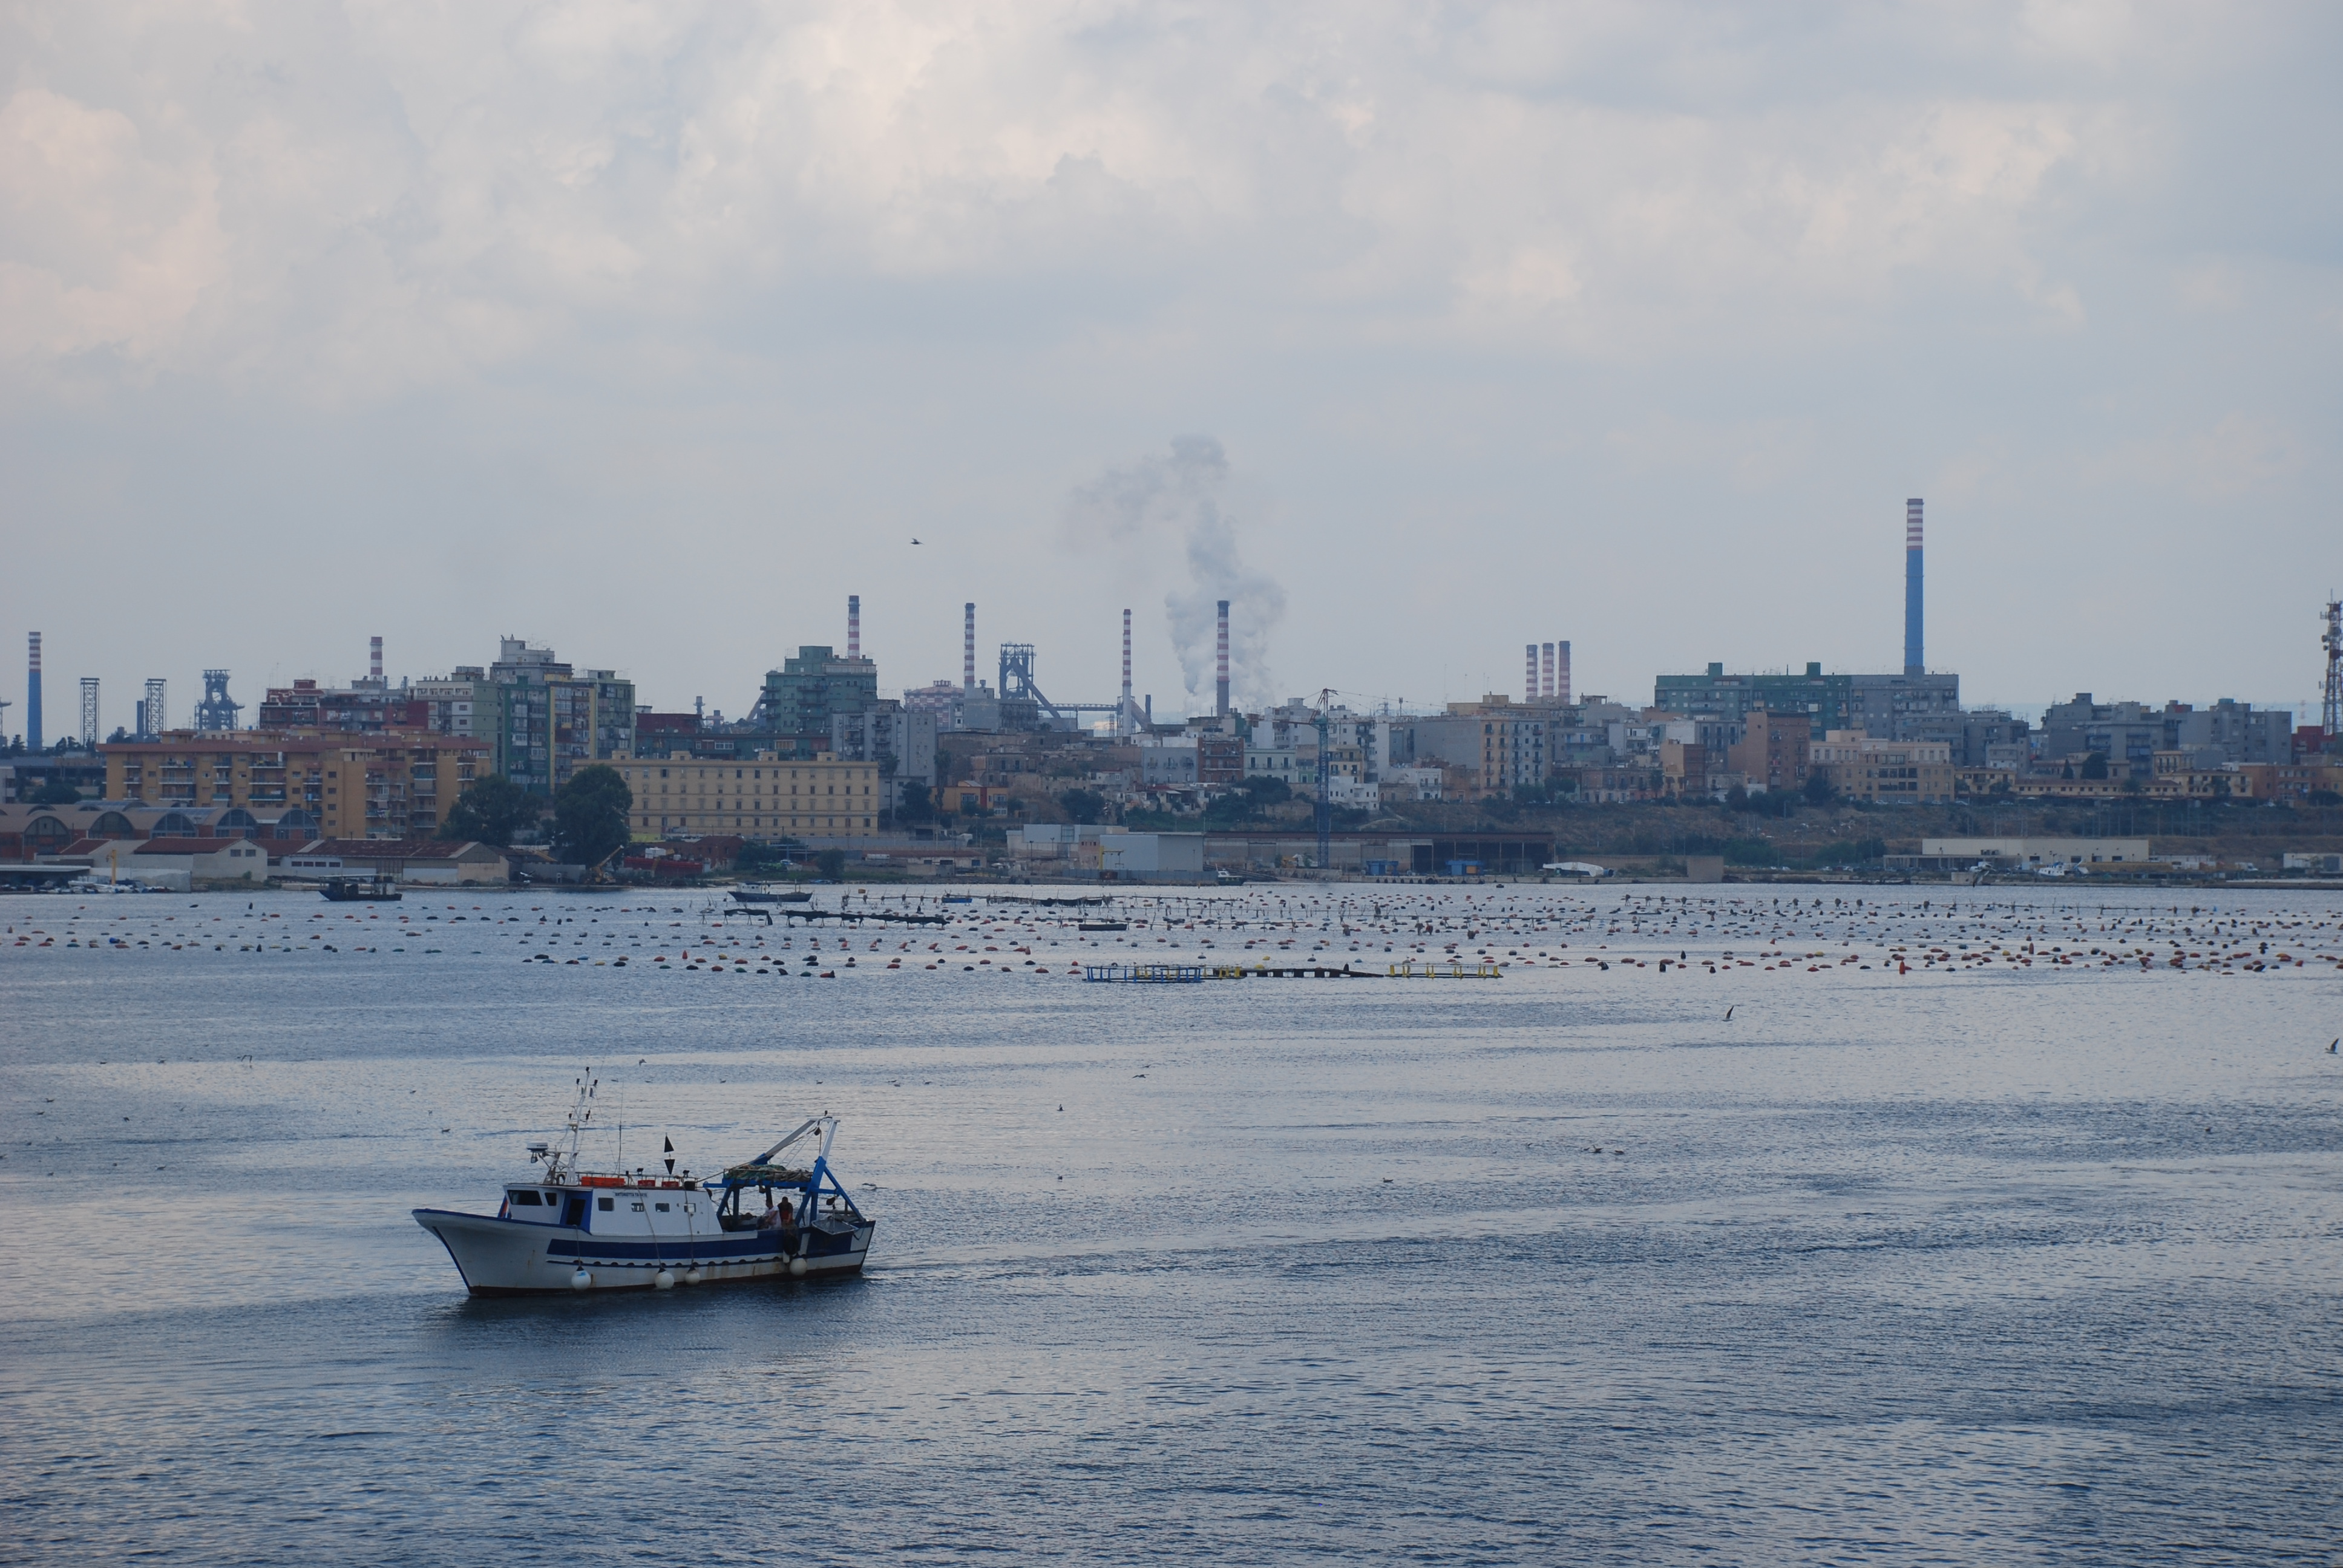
<point>811,1123</point>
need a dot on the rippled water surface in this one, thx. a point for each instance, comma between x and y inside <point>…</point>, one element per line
<point>2022,1253</point>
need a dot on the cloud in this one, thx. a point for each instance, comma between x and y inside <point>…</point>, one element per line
<point>1153,505</point>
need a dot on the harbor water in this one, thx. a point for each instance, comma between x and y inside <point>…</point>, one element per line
<point>1962,1226</point>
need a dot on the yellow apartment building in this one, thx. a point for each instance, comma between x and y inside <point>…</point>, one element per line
<point>396,784</point>
<point>759,799</point>
<point>1862,767</point>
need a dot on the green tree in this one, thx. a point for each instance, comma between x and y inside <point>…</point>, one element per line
<point>832,864</point>
<point>917,805</point>
<point>1083,805</point>
<point>590,815</point>
<point>2095,765</point>
<point>491,812</point>
<point>55,792</point>
<point>1818,790</point>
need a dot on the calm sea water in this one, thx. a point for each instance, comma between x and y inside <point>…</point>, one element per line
<point>1987,1257</point>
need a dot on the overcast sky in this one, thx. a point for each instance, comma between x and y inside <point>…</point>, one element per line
<point>652,331</point>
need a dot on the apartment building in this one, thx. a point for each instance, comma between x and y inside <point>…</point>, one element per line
<point>396,784</point>
<point>1890,772</point>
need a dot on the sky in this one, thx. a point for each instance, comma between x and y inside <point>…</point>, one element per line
<point>652,331</point>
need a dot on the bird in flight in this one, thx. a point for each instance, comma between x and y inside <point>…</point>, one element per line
<point>915,541</point>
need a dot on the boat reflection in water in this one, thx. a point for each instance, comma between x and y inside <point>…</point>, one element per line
<point>577,1229</point>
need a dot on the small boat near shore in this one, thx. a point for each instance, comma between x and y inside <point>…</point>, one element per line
<point>362,890</point>
<point>575,1229</point>
<point>755,894</point>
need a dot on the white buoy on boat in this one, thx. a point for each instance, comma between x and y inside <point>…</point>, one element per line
<point>664,1280</point>
<point>797,1268</point>
<point>691,1275</point>
<point>581,1281</point>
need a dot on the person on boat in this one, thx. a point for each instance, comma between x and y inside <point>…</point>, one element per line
<point>776,1217</point>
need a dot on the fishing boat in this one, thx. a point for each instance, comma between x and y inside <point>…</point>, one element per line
<point>362,890</point>
<point>754,894</point>
<point>572,1229</point>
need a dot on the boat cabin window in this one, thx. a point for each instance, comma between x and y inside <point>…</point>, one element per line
<point>526,1199</point>
<point>605,1205</point>
<point>662,1208</point>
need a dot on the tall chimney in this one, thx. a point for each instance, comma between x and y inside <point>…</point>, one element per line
<point>373,658</point>
<point>1529,676</point>
<point>89,710</point>
<point>854,625</point>
<point>33,697</point>
<point>1913,663</point>
<point>1562,673</point>
<point>1126,663</point>
<point>1221,689</point>
<point>1546,691</point>
<point>968,647</point>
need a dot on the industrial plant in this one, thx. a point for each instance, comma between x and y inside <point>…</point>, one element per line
<point>1048,767</point>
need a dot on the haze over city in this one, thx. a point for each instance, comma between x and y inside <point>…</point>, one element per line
<point>650,333</point>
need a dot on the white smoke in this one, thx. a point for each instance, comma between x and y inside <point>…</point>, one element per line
<point>1152,501</point>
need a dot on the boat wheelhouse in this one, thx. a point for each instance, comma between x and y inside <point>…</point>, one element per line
<point>576,1230</point>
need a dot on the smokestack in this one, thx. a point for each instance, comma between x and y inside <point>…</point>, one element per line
<point>1912,664</point>
<point>968,647</point>
<point>373,658</point>
<point>89,710</point>
<point>1546,693</point>
<point>1562,673</point>
<point>33,697</point>
<point>1221,691</point>
<point>854,625</point>
<point>1126,661</point>
<point>1529,675</point>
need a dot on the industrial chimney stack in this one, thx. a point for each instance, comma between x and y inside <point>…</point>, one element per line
<point>1221,688</point>
<point>1913,663</point>
<point>33,698</point>
<point>1562,673</point>
<point>1529,673</point>
<point>1547,694</point>
<point>854,625</point>
<point>374,659</point>
<point>968,647</point>
<point>1126,661</point>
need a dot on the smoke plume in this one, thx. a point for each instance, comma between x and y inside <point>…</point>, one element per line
<point>1153,502</point>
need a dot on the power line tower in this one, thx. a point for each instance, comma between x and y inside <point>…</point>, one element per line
<point>89,710</point>
<point>2330,717</point>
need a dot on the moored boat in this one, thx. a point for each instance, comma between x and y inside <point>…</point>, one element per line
<point>362,890</point>
<point>578,1230</point>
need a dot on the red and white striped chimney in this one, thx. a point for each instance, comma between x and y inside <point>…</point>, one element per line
<point>854,625</point>
<point>373,657</point>
<point>1221,692</point>
<point>1562,673</point>
<point>1546,691</point>
<point>968,647</point>
<point>1529,676</point>
<point>1126,661</point>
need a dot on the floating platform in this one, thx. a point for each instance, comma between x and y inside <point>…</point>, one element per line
<point>1144,974</point>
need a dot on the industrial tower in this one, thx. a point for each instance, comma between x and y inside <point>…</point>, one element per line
<point>218,710</point>
<point>2330,712</point>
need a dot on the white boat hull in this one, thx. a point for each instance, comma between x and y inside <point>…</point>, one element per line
<point>500,1257</point>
